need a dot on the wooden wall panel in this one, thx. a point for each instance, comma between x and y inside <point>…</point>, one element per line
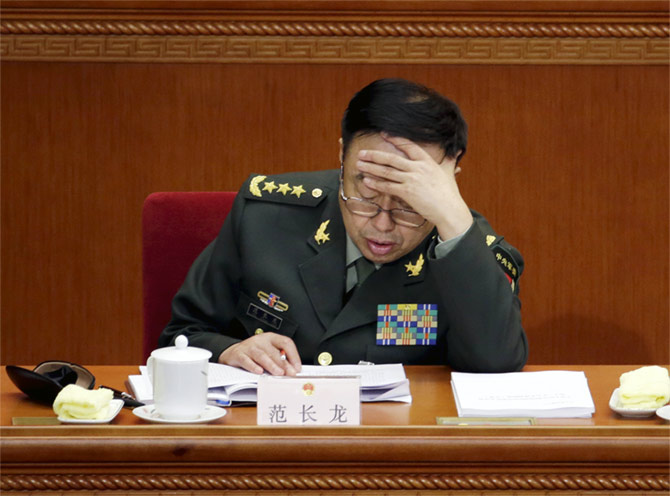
<point>569,162</point>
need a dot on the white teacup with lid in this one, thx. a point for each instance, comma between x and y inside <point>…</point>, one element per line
<point>178,375</point>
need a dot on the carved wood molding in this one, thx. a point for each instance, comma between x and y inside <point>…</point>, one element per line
<point>254,41</point>
<point>606,483</point>
<point>266,49</point>
<point>350,29</point>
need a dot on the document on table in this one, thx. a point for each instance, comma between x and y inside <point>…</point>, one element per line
<point>386,382</point>
<point>544,394</point>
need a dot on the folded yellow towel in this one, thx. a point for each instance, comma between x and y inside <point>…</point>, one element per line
<point>644,388</point>
<point>76,402</point>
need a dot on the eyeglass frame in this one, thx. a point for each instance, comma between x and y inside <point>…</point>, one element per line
<point>379,209</point>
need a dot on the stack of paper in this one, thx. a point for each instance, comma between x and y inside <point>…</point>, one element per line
<point>551,393</point>
<point>386,382</point>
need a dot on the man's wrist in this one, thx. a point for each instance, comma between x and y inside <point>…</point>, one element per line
<point>456,228</point>
<point>444,247</point>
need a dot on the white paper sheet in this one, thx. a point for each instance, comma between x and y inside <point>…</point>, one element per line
<point>550,393</point>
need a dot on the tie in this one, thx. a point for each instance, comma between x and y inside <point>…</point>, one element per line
<point>363,269</point>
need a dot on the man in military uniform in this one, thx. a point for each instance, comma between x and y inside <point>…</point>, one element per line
<point>380,260</point>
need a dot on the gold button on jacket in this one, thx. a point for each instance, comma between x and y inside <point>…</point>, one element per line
<point>325,358</point>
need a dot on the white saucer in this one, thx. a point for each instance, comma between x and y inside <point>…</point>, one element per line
<point>629,412</point>
<point>664,412</point>
<point>114,409</point>
<point>148,413</point>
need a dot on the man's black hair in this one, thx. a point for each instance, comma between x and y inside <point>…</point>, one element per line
<point>408,110</point>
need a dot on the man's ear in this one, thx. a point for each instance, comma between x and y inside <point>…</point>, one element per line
<point>341,150</point>
<point>457,169</point>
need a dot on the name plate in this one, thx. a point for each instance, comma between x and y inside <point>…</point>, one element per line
<point>466,421</point>
<point>309,400</point>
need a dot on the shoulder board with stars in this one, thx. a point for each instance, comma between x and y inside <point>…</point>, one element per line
<point>281,190</point>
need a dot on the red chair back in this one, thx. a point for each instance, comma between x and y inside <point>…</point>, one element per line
<point>176,227</point>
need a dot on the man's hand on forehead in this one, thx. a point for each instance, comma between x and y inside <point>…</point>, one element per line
<point>409,148</point>
<point>414,175</point>
<point>406,156</point>
<point>398,143</point>
<point>407,164</point>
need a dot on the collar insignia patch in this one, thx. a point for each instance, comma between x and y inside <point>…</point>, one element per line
<point>321,235</point>
<point>414,269</point>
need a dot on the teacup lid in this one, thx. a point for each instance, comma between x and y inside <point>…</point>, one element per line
<point>181,352</point>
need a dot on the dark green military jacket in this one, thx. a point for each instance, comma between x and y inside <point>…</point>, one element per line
<point>278,265</point>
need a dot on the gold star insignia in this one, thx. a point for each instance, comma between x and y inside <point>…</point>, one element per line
<point>414,269</point>
<point>253,185</point>
<point>270,186</point>
<point>283,189</point>
<point>321,235</point>
<point>298,190</point>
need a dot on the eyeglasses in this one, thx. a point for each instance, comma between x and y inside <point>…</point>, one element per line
<point>366,208</point>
